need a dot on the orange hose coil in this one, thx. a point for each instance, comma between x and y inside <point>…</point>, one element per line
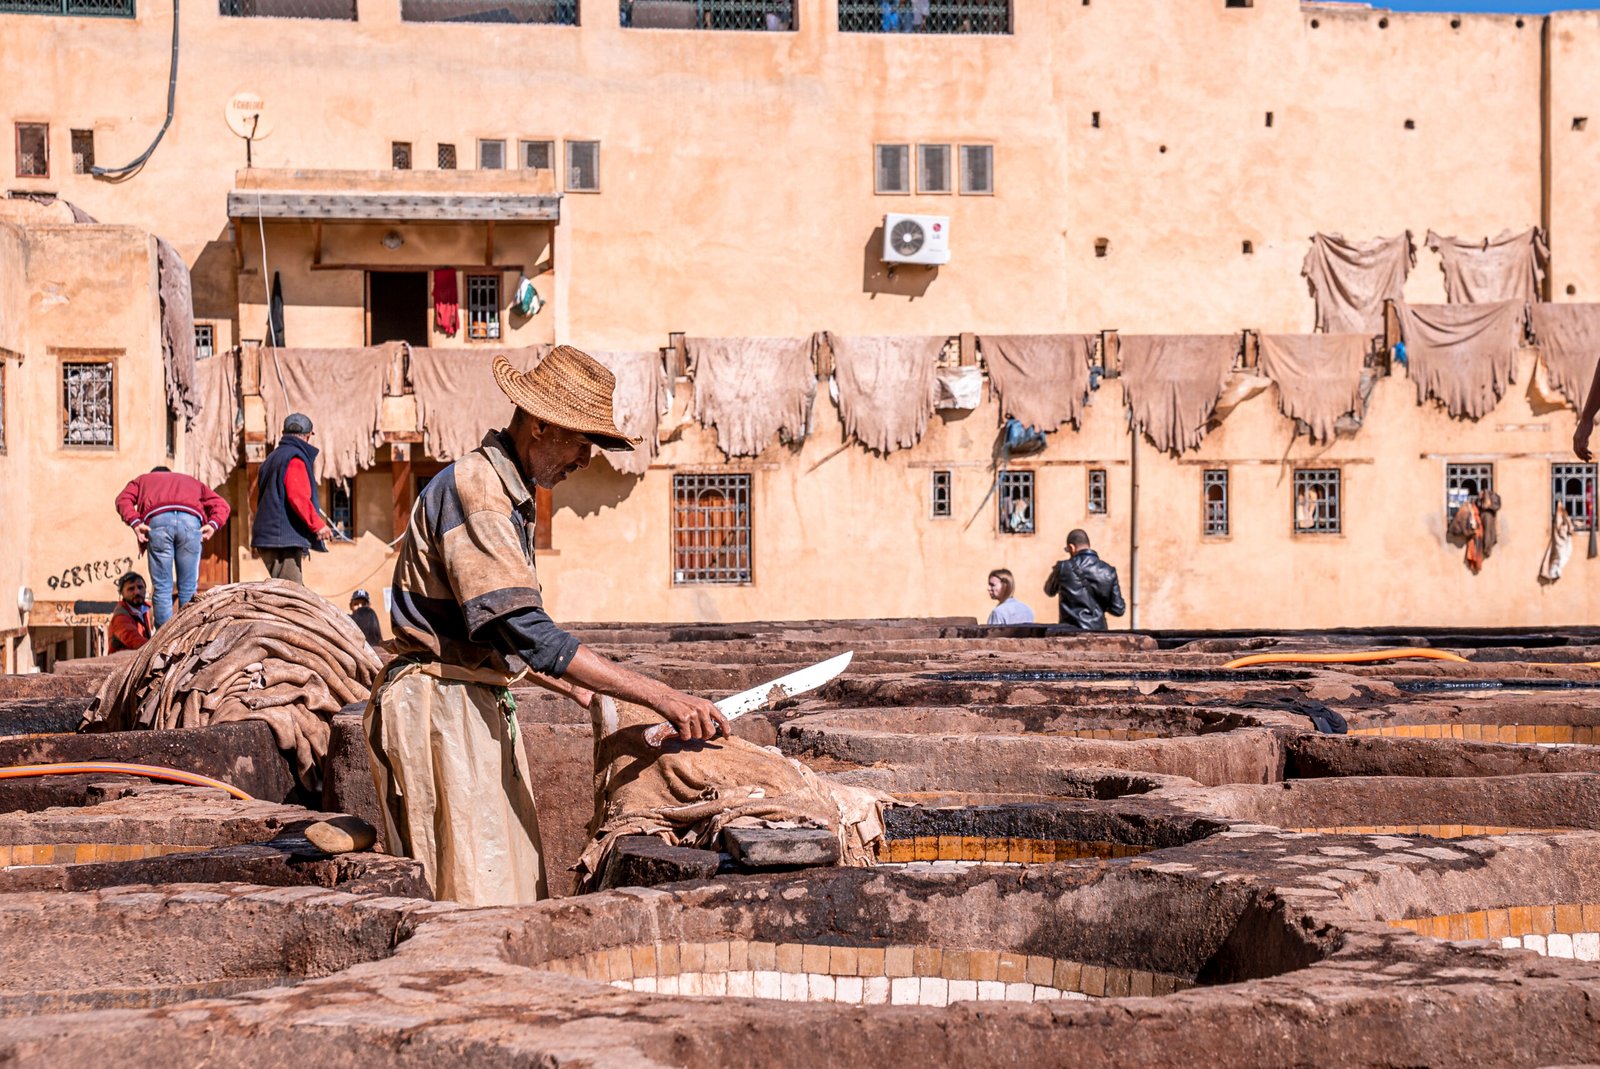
<point>1410,653</point>
<point>174,775</point>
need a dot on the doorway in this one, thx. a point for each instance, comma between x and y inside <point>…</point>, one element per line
<point>397,307</point>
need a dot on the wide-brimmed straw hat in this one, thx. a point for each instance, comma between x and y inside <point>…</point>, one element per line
<point>569,389</point>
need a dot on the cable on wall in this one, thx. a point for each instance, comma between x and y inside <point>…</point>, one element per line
<point>128,170</point>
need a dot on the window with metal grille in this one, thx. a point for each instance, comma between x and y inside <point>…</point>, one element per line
<point>1317,505</point>
<point>765,15</point>
<point>483,307</point>
<point>1015,512</point>
<point>205,340</point>
<point>892,170</point>
<point>341,506</point>
<point>87,404</point>
<point>288,9</point>
<point>172,435</point>
<point>538,155</point>
<point>82,151</point>
<point>491,155</point>
<point>1463,482</point>
<point>549,12</point>
<point>933,168</point>
<point>711,529</point>
<point>447,157</point>
<point>400,155</point>
<point>33,150</point>
<point>1573,485</point>
<point>583,166</point>
<point>1097,490</point>
<point>977,170</point>
<point>88,8</point>
<point>940,495</point>
<point>925,16</point>
<point>1214,490</point>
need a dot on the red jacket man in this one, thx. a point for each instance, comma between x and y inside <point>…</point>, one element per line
<point>130,620</point>
<point>172,515</point>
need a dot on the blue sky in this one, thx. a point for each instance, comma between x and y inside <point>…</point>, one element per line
<point>1537,7</point>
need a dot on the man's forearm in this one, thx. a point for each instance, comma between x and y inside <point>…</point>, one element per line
<point>1591,405</point>
<point>594,672</point>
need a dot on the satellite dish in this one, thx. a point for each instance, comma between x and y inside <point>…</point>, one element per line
<point>247,115</point>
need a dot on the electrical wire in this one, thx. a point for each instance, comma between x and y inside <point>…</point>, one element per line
<point>74,768</point>
<point>127,170</point>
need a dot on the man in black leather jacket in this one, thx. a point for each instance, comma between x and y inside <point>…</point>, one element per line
<point>1086,585</point>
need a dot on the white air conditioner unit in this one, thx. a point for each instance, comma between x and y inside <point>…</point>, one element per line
<point>916,239</point>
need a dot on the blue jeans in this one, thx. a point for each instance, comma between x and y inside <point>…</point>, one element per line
<point>174,539</point>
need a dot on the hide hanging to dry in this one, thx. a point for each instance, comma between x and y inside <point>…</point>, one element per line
<point>1508,268</point>
<point>751,390</point>
<point>457,399</point>
<point>215,437</point>
<point>1171,383</point>
<point>888,387</point>
<point>340,389</point>
<point>1318,376</point>
<point>1350,280</point>
<point>1463,355</point>
<point>640,400</point>
<point>177,334</point>
<point>1568,336</point>
<point>1042,380</point>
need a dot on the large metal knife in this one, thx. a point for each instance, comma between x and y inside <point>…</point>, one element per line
<point>801,682</point>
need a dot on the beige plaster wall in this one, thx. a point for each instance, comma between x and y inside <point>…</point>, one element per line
<point>14,483</point>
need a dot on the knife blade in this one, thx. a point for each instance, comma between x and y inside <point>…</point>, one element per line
<point>802,681</point>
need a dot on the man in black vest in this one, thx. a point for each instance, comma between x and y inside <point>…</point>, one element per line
<point>1086,585</point>
<point>287,523</point>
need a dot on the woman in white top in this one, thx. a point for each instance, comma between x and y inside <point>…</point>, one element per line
<point>1010,611</point>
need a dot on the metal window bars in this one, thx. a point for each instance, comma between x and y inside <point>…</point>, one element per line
<point>1097,490</point>
<point>491,155</point>
<point>86,396</point>
<point>341,507</point>
<point>400,155</point>
<point>933,168</point>
<point>892,170</point>
<point>122,9</point>
<point>547,12</point>
<point>711,530</point>
<point>763,15</point>
<point>447,157</point>
<point>1573,485</point>
<point>341,10</point>
<point>538,155</point>
<point>205,341</point>
<point>483,307</point>
<point>1317,506</point>
<point>82,151</point>
<point>33,150</point>
<point>1463,482</point>
<point>1214,488</point>
<point>940,497</point>
<point>1015,513</point>
<point>583,166</point>
<point>977,169</point>
<point>925,16</point>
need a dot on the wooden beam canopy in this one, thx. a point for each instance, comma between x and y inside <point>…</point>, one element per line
<point>393,207</point>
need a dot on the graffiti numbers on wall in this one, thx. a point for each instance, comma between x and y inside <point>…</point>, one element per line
<point>96,571</point>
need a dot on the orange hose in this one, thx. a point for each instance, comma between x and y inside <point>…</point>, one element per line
<point>175,775</point>
<point>1410,653</point>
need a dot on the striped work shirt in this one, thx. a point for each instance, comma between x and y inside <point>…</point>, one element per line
<point>465,589</point>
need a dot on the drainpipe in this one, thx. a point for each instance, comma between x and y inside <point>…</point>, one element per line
<point>1133,532</point>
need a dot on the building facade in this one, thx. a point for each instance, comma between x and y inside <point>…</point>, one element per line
<point>662,168</point>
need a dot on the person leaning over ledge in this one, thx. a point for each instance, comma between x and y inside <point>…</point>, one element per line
<point>468,620</point>
<point>287,523</point>
<point>1086,585</point>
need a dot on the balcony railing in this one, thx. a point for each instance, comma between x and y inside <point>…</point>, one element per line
<point>925,16</point>
<point>774,15</point>
<point>552,12</point>
<point>121,9</point>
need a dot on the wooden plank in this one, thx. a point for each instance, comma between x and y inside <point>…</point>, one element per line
<point>432,266</point>
<point>543,506</point>
<point>394,207</point>
<point>402,491</point>
<point>316,235</point>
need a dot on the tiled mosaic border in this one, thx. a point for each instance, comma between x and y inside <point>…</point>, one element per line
<point>999,849</point>
<point>84,853</point>
<point>1547,734</point>
<point>893,975</point>
<point>1513,922</point>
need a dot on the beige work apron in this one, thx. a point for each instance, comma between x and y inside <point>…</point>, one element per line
<point>454,784</point>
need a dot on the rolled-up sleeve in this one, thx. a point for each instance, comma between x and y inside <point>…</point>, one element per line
<point>531,635</point>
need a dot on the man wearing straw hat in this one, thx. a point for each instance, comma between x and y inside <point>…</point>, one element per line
<point>469,621</point>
